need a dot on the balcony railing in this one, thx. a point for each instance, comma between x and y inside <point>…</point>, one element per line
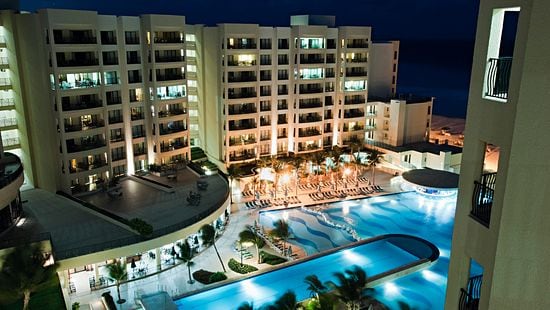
<point>87,166</point>
<point>133,60</point>
<point>311,90</point>
<point>353,114</point>
<point>170,77</point>
<point>233,142</point>
<point>82,105</point>
<point>242,127</point>
<point>498,77</point>
<point>75,40</point>
<point>169,58</point>
<point>241,79</point>
<point>172,112</point>
<point>469,298</point>
<point>7,122</point>
<point>354,100</point>
<point>356,73</point>
<point>137,116</point>
<point>5,81</point>
<point>357,45</point>
<point>167,131</point>
<point>139,152</point>
<point>311,105</point>
<point>85,146</point>
<point>312,60</point>
<point>242,46</point>
<point>115,119</point>
<point>241,110</point>
<point>7,102</point>
<point>482,199</point>
<point>88,126</point>
<point>77,62</point>
<point>242,95</point>
<point>172,147</point>
<point>310,119</point>
<point>309,133</point>
<point>168,40</point>
<point>241,157</point>
<point>10,141</point>
<point>114,100</point>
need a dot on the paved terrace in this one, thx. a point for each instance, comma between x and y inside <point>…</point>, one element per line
<point>76,230</point>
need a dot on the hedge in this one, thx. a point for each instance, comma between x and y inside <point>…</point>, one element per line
<point>271,259</point>
<point>207,277</point>
<point>238,268</point>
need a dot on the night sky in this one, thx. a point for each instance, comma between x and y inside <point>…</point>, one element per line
<point>436,35</point>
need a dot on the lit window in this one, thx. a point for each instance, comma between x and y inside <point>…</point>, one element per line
<point>194,127</point>
<point>193,98</point>
<point>190,37</point>
<point>192,83</point>
<point>355,85</point>
<point>191,53</point>
<point>191,68</point>
<point>193,112</point>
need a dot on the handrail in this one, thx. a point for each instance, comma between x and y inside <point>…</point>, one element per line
<point>498,77</point>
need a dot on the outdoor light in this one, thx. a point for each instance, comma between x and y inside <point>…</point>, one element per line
<point>21,222</point>
<point>391,289</point>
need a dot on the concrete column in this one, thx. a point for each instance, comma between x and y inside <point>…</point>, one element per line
<point>96,271</point>
<point>158,259</point>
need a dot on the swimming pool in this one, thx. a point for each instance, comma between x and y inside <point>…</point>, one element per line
<point>378,257</point>
<point>404,213</point>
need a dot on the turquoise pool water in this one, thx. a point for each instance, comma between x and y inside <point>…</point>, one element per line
<point>375,258</point>
<point>404,213</point>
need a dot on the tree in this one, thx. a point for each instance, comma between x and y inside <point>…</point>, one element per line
<point>281,231</point>
<point>375,158</point>
<point>208,236</point>
<point>233,172</point>
<point>246,306</point>
<point>23,272</point>
<point>336,153</point>
<point>315,286</point>
<point>350,286</point>
<point>250,235</point>
<point>187,257</point>
<point>287,301</point>
<point>117,272</point>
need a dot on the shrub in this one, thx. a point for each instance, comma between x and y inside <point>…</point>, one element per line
<point>207,277</point>
<point>141,226</point>
<point>217,277</point>
<point>271,259</point>
<point>238,268</point>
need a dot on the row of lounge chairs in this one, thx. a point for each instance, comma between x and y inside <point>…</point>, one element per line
<point>367,190</point>
<point>264,203</point>
<point>315,186</point>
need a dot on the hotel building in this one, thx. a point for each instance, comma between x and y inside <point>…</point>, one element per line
<point>112,95</point>
<point>500,242</point>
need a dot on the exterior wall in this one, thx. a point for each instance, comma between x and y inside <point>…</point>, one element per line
<point>384,57</point>
<point>399,122</point>
<point>512,248</point>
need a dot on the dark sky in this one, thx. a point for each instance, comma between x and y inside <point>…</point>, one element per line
<point>436,35</point>
<point>400,19</point>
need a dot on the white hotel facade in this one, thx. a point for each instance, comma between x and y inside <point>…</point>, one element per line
<point>103,96</point>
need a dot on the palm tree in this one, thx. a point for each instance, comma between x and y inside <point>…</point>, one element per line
<point>336,153</point>
<point>350,287</point>
<point>208,236</point>
<point>246,306</point>
<point>281,231</point>
<point>24,272</point>
<point>315,286</point>
<point>187,257</point>
<point>286,302</point>
<point>375,158</point>
<point>250,235</point>
<point>117,272</point>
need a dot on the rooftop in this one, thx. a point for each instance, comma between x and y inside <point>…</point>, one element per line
<point>431,178</point>
<point>422,147</point>
<point>410,98</point>
<point>77,230</point>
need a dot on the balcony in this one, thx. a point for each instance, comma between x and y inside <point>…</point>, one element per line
<point>170,77</point>
<point>235,95</point>
<point>353,128</point>
<point>116,138</point>
<point>162,59</point>
<point>134,79</point>
<point>311,105</point>
<point>232,110</point>
<point>310,119</point>
<point>85,166</point>
<point>85,83</point>
<point>115,119</point>
<point>282,119</point>
<point>265,122</point>
<point>85,146</point>
<point>310,90</point>
<point>331,59</point>
<point>137,116</point>
<point>118,157</point>
<point>357,60</point>
<point>138,134</point>
<point>139,151</point>
<point>75,39</point>
<point>11,169</point>
<point>498,77</point>
<point>168,40</point>
<point>308,147</point>
<point>311,59</point>
<point>133,60</point>
<point>236,63</point>
<point>241,46</point>
<point>358,100</point>
<point>309,132</point>
<point>233,142</point>
<point>114,100</point>
<point>175,129</point>
<point>172,147</point>
<point>77,62</point>
<point>10,142</point>
<point>7,103</point>
<point>172,112</point>
<point>282,106</point>
<point>356,73</point>
<point>240,157</point>
<point>354,114</point>
<point>469,297</point>
<point>8,122</point>
<point>242,126</point>
<point>87,126</point>
<point>358,44</point>
<point>241,79</point>
<point>5,82</point>
<point>482,199</point>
